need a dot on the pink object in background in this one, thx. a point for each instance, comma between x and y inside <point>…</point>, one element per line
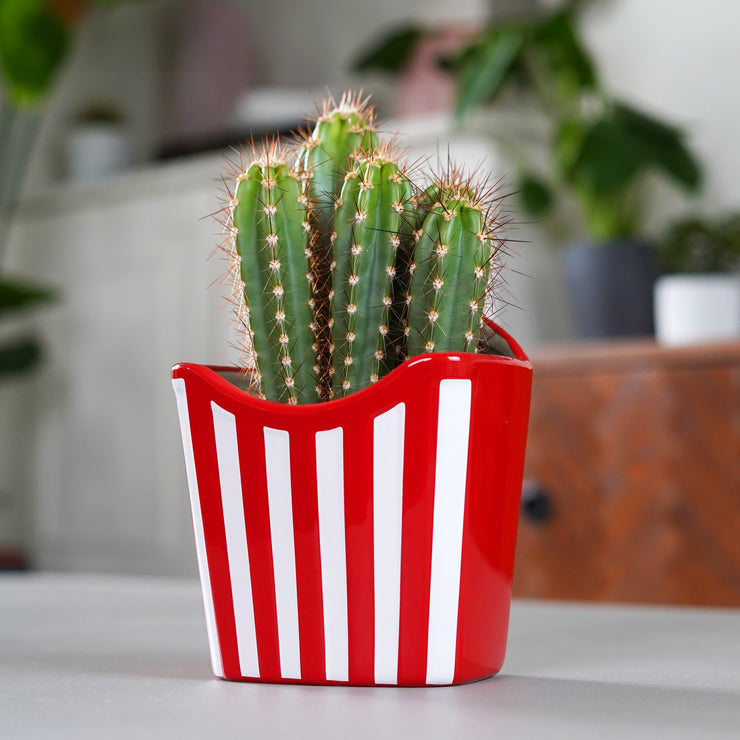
<point>423,87</point>
<point>213,67</point>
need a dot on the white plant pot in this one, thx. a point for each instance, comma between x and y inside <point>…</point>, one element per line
<point>94,151</point>
<point>697,309</point>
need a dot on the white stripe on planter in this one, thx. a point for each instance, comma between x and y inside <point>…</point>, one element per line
<point>227,454</point>
<point>280,503</point>
<point>200,543</point>
<point>453,429</point>
<point>388,439</point>
<point>330,485</point>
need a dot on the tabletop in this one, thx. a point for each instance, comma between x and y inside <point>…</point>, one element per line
<point>126,657</point>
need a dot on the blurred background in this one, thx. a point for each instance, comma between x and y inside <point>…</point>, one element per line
<point>611,123</point>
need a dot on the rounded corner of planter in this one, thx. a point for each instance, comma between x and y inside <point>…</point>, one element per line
<point>179,370</point>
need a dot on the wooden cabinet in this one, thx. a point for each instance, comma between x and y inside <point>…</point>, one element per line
<point>633,470</point>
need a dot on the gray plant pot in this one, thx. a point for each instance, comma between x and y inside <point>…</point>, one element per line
<point>611,288</point>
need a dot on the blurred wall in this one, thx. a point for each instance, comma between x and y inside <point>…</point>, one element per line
<point>673,57</point>
<point>326,35</point>
<point>676,57</point>
<point>679,58</point>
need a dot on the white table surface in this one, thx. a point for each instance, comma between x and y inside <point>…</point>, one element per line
<point>120,657</point>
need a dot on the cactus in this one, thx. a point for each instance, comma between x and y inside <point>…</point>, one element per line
<point>450,270</point>
<point>271,235</point>
<point>342,271</point>
<point>372,217</point>
<point>340,133</point>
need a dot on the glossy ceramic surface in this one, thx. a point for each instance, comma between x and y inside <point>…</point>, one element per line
<point>369,540</point>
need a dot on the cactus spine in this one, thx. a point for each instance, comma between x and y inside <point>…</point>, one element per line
<point>343,272</point>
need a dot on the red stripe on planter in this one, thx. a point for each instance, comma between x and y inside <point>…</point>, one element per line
<point>206,468</point>
<point>480,587</point>
<point>307,555</point>
<point>418,516</point>
<point>257,522</point>
<point>358,522</point>
<point>491,518</point>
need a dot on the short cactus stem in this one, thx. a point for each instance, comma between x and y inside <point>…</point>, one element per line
<point>450,280</point>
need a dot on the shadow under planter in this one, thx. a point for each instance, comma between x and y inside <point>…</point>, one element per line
<point>368,540</point>
<point>611,288</point>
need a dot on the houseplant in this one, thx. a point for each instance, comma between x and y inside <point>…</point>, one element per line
<point>697,296</point>
<point>33,44</point>
<point>355,505</point>
<point>35,38</point>
<point>588,183</point>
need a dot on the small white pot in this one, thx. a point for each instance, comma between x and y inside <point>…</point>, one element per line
<point>697,308</point>
<point>94,151</point>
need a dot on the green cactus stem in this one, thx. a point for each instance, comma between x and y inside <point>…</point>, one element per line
<point>373,216</point>
<point>421,204</point>
<point>450,273</point>
<point>273,245</point>
<point>340,134</point>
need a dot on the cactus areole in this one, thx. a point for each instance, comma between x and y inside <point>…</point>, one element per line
<point>344,267</point>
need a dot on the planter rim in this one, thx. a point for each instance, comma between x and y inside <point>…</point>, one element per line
<point>464,363</point>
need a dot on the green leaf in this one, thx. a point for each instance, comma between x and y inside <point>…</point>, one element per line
<point>606,161</point>
<point>33,44</point>
<point>534,195</point>
<point>391,53</point>
<point>485,68</point>
<point>701,245</point>
<point>606,217</point>
<point>567,60</point>
<point>15,295</point>
<point>19,356</point>
<point>660,144</point>
<point>567,147</point>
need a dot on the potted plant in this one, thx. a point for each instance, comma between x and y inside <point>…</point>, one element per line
<point>697,296</point>
<point>589,185</point>
<point>355,487</point>
<point>34,39</point>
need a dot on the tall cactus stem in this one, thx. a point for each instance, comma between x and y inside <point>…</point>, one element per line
<point>340,134</point>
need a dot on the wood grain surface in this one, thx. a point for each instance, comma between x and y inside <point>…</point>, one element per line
<point>637,448</point>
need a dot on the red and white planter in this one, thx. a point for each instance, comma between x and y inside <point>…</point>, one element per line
<point>365,541</point>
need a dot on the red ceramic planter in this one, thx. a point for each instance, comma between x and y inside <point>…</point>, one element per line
<point>364,541</point>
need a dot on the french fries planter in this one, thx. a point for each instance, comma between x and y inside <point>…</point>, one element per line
<point>367,540</point>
